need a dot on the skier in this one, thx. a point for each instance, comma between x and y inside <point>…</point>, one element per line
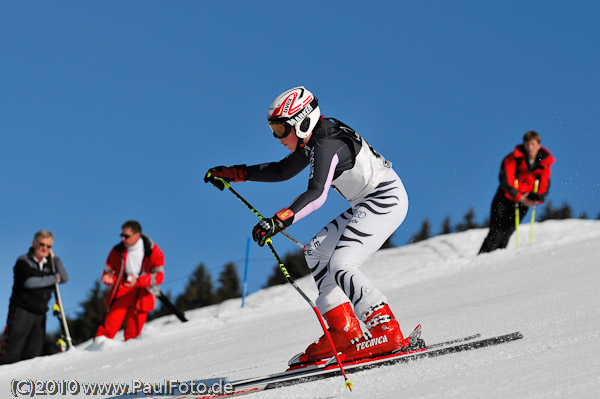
<point>339,158</point>
<point>520,169</point>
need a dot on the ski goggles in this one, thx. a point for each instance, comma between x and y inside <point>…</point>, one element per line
<point>280,129</point>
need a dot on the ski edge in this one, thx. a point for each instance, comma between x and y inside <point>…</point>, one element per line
<point>399,358</point>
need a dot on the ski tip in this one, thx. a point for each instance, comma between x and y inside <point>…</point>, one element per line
<point>349,384</point>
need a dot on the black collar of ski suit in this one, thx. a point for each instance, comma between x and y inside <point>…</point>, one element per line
<point>539,158</point>
<point>331,128</point>
<point>324,127</point>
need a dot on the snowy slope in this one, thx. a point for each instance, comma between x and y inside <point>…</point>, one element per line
<point>548,291</point>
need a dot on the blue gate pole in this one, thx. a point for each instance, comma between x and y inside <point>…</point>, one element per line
<point>245,284</point>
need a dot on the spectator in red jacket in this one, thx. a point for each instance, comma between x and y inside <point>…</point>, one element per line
<point>134,269</point>
<point>528,163</point>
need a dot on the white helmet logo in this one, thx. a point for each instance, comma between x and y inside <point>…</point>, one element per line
<point>294,107</point>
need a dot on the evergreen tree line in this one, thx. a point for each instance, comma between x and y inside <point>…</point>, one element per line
<point>199,290</point>
<point>468,221</point>
<point>295,264</point>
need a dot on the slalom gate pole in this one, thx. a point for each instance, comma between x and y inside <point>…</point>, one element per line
<point>517,215</point>
<point>535,190</point>
<point>289,279</point>
<point>63,319</point>
<point>245,284</point>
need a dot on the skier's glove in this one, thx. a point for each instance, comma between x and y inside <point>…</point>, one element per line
<point>268,227</point>
<point>216,175</point>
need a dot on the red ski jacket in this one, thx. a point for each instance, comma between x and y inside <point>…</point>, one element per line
<point>151,275</point>
<point>515,167</point>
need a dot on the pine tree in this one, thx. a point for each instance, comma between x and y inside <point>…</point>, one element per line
<point>229,283</point>
<point>547,211</point>
<point>85,325</point>
<point>468,221</point>
<point>424,233</point>
<point>564,212</point>
<point>388,243</point>
<point>198,291</point>
<point>294,263</point>
<point>446,226</point>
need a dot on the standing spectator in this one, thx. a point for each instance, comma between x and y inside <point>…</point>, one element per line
<point>33,285</point>
<point>134,270</point>
<point>519,171</point>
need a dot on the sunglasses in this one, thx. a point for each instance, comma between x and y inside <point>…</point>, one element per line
<point>280,129</point>
<point>125,236</point>
<point>41,244</point>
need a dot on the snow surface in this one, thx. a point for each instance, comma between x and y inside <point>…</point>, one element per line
<point>548,291</point>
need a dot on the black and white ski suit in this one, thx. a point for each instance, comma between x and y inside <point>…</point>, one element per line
<point>340,158</point>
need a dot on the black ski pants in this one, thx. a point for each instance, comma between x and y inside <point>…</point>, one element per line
<point>502,222</point>
<point>25,334</point>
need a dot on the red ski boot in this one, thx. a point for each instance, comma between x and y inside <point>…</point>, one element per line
<point>383,336</point>
<point>344,329</point>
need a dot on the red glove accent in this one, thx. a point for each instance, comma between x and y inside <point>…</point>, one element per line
<point>286,216</point>
<point>235,173</point>
<point>268,227</point>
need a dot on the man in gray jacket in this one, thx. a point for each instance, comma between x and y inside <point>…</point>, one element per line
<point>34,281</point>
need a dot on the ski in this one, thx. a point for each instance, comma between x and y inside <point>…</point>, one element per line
<point>454,341</point>
<point>297,366</point>
<point>317,372</point>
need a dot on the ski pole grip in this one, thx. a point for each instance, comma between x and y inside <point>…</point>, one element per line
<point>225,182</point>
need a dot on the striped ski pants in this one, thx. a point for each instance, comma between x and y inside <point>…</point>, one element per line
<point>336,252</point>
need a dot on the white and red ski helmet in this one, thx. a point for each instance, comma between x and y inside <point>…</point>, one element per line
<point>295,107</point>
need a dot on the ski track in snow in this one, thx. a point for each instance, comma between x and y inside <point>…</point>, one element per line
<point>548,291</point>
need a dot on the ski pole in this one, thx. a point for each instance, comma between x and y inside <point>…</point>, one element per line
<point>535,190</point>
<point>289,279</point>
<point>63,319</point>
<point>257,213</point>
<point>169,305</point>
<point>517,215</point>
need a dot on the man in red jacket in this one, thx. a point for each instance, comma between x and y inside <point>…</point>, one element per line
<point>528,163</point>
<point>134,269</point>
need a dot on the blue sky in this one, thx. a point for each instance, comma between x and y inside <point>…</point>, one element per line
<point>114,110</point>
